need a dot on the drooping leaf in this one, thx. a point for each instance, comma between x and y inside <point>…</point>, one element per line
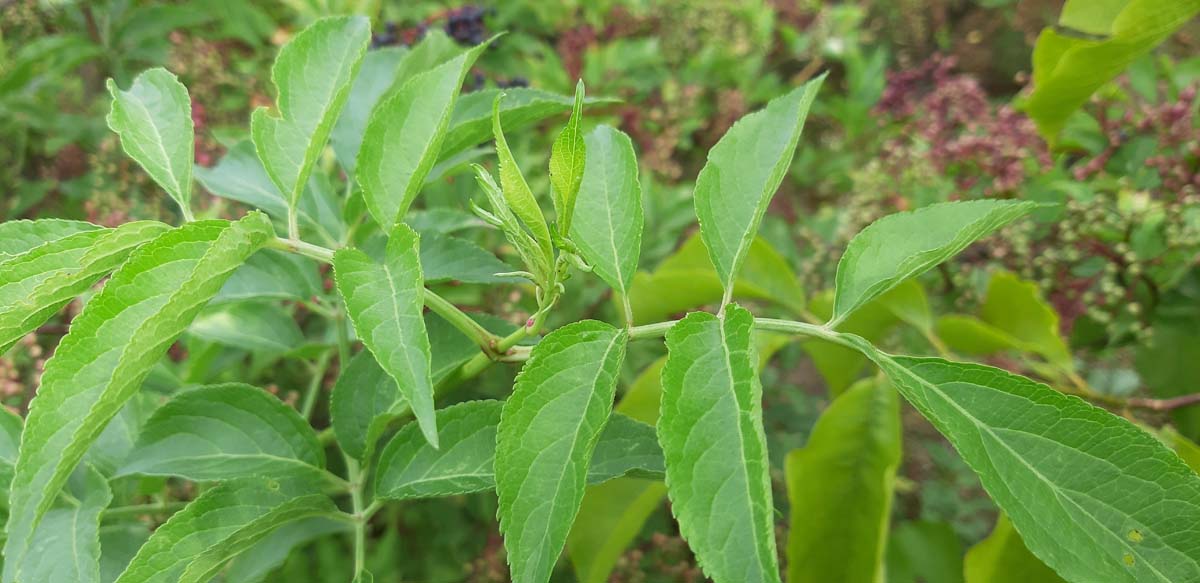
<point>36,284</point>
<point>312,75</point>
<point>17,237</point>
<point>447,258</point>
<point>1017,308</point>
<point>1093,496</point>
<point>471,124</point>
<point>1069,67</point>
<point>272,275</point>
<point>1003,558</point>
<point>904,245</point>
<point>385,301</point>
<point>973,337</point>
<point>66,545</point>
<point>225,431</point>
<point>409,468</point>
<point>546,437</point>
<point>840,487</point>
<point>261,327</point>
<point>221,523</point>
<point>404,136</point>
<point>567,160</point>
<point>743,172</point>
<point>154,119</point>
<point>110,349</point>
<point>516,191</point>
<point>609,221</point>
<point>716,452</point>
<point>375,77</point>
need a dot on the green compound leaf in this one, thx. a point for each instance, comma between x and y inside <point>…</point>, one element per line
<point>1092,495</point>
<point>154,120</point>
<point>409,468</point>
<point>609,217</point>
<point>516,191</point>
<point>225,431</point>
<point>224,521</point>
<point>567,159</point>
<point>385,301</point>
<point>471,124</point>
<point>404,136</point>
<point>712,438</point>
<point>17,237</point>
<point>66,545</point>
<point>312,75</point>
<point>743,172</point>
<point>547,434</point>
<point>1003,558</point>
<point>1068,67</point>
<point>111,347</point>
<point>36,284</point>
<point>904,245</point>
<point>840,487</point>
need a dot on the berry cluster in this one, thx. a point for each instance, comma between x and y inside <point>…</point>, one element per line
<point>465,25</point>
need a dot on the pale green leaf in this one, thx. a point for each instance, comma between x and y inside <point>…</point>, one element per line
<point>1169,361</point>
<point>36,284</point>
<point>921,551</point>
<point>973,337</point>
<point>1091,16</point>
<point>568,156</point>
<point>262,327</point>
<point>272,275</point>
<point>113,445</point>
<point>154,120</point>
<point>225,431</point>
<point>743,172</point>
<point>118,545</point>
<point>1188,451</point>
<point>609,220</point>
<point>712,438</point>
<point>1093,496</point>
<point>66,545</point>
<point>838,365</point>
<point>471,124</point>
<point>376,76</point>
<point>516,191</point>
<point>1017,308</point>
<point>312,76</point>
<point>410,468</point>
<point>546,437</point>
<point>904,245</point>
<point>17,237</point>
<point>1003,558</point>
<point>840,488</point>
<point>224,521</point>
<point>385,301</point>
<point>404,136</point>
<point>110,349</point>
<point>909,304</point>
<point>254,564</point>
<point>446,258</point>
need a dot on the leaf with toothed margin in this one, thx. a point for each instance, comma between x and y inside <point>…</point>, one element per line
<point>111,347</point>
<point>224,521</point>
<point>712,437</point>
<point>385,301</point>
<point>154,119</point>
<point>312,76</point>
<point>66,545</point>
<point>225,431</point>
<point>547,434</point>
<point>742,174</point>
<point>17,237</point>
<point>409,468</point>
<point>36,284</point>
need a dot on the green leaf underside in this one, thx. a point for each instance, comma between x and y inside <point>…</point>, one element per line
<point>385,301</point>
<point>743,172</point>
<point>712,437</point>
<point>225,431</point>
<point>409,468</point>
<point>471,123</point>
<point>66,545</point>
<point>567,160</point>
<point>404,136</point>
<point>546,437</point>
<point>840,487</point>
<point>36,284</point>
<point>1003,558</point>
<point>19,236</point>
<point>608,221</point>
<point>222,522</point>
<point>154,120</point>
<point>904,245</point>
<point>312,75</point>
<point>1092,495</point>
<point>110,349</point>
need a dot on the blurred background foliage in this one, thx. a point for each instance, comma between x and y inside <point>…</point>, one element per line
<point>926,102</point>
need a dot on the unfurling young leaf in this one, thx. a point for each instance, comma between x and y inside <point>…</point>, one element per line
<point>567,160</point>
<point>154,120</point>
<point>516,191</point>
<point>404,137</point>
<point>312,75</point>
<point>743,172</point>
<point>716,452</point>
<point>546,437</point>
<point>608,231</point>
<point>110,349</point>
<point>905,245</point>
<point>471,124</point>
<point>385,301</point>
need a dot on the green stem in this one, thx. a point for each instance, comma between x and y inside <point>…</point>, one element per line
<point>295,245</point>
<point>314,385</point>
<point>343,337</point>
<point>293,224</point>
<point>357,485</point>
<point>460,320</point>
